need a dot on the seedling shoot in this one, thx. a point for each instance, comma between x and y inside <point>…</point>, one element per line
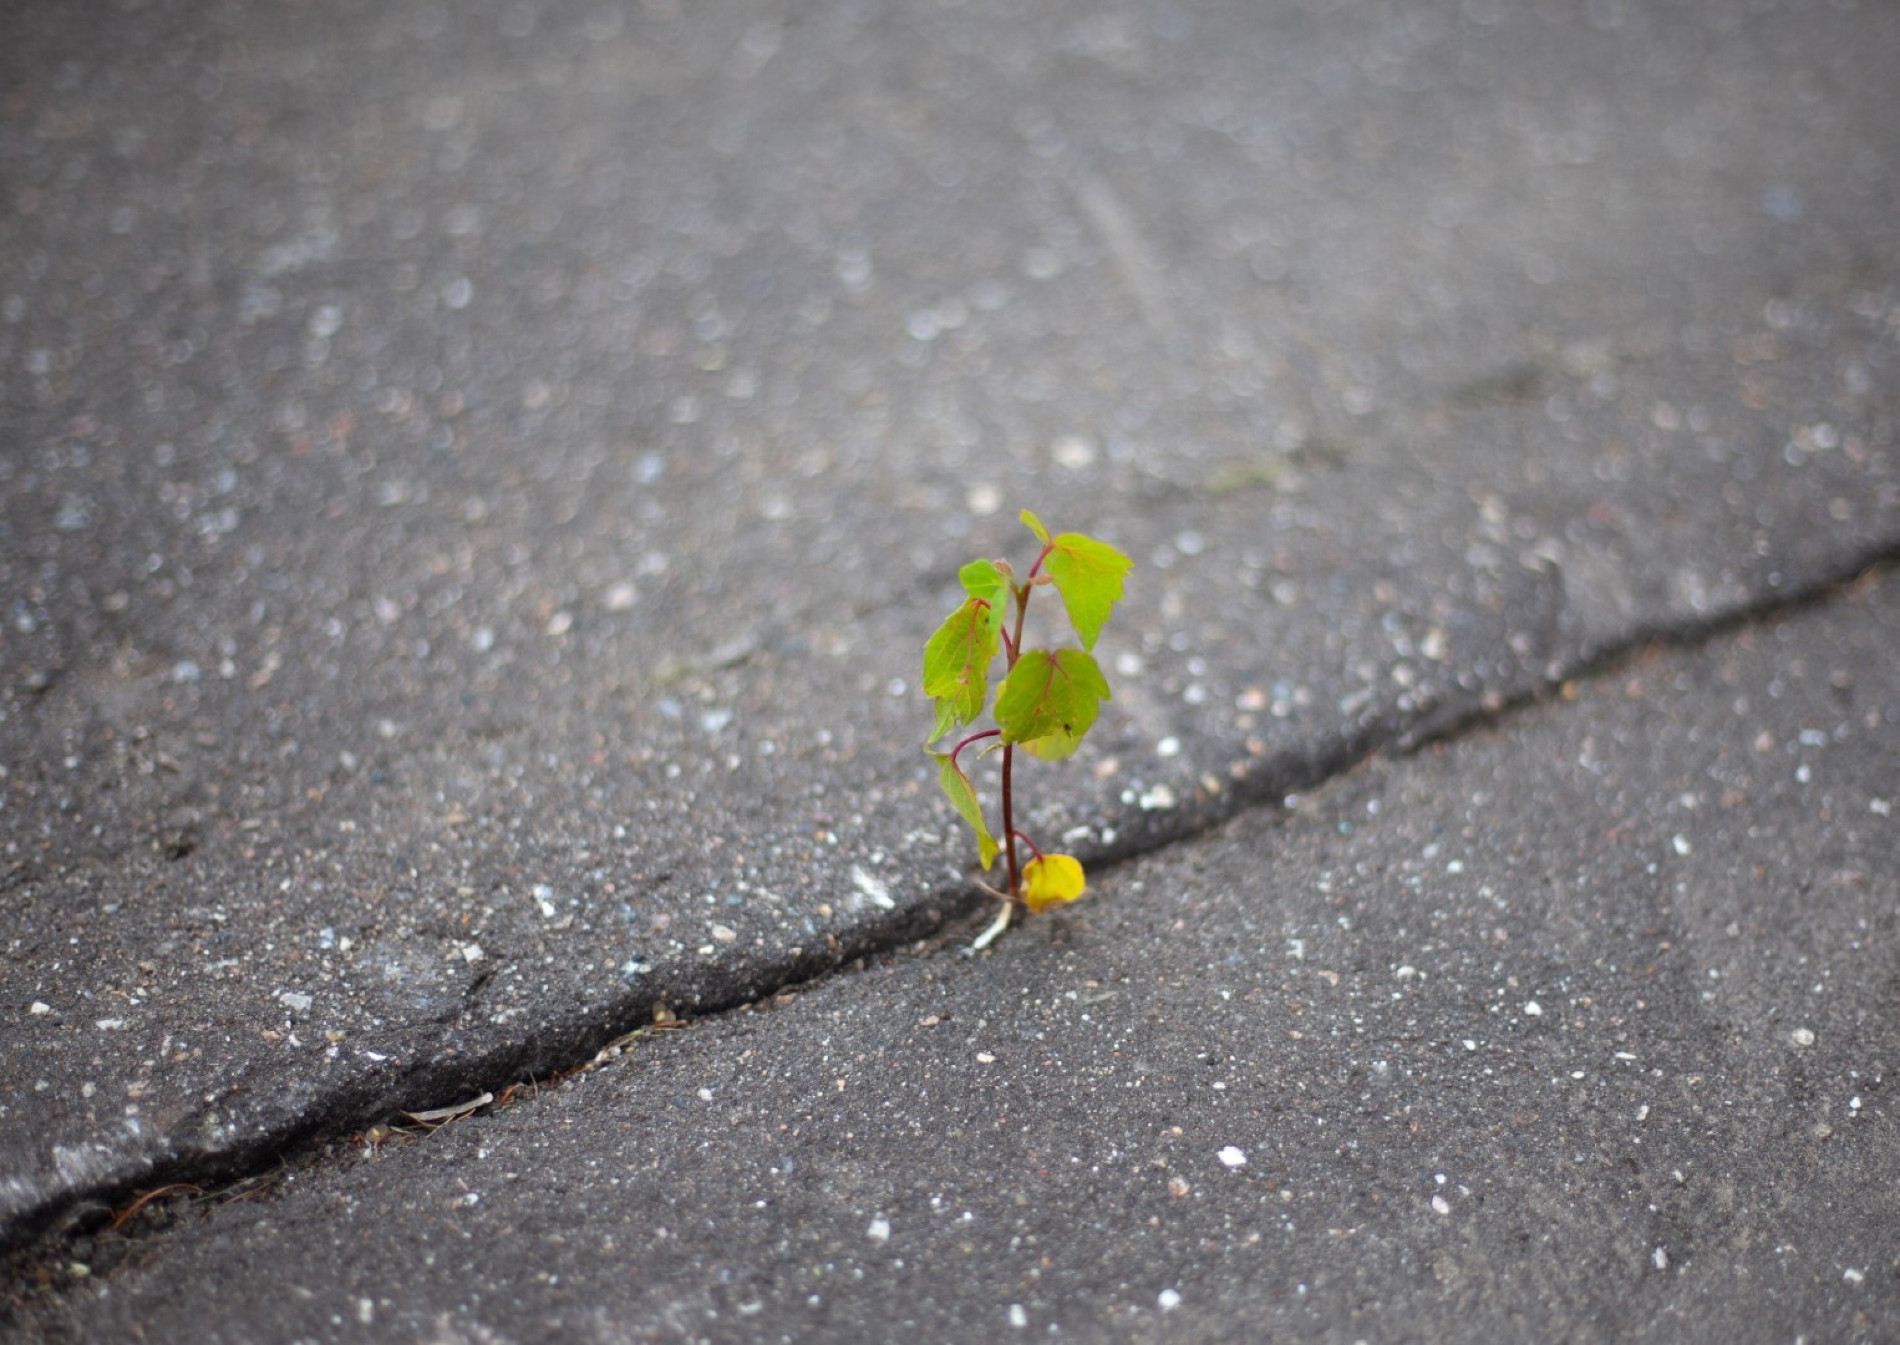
<point>1045,704</point>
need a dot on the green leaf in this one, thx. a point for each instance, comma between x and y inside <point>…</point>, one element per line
<point>946,719</point>
<point>957,786</point>
<point>1052,746</point>
<point>1034,524</point>
<point>1050,693</point>
<point>982,579</point>
<point>1088,575</point>
<point>957,664</point>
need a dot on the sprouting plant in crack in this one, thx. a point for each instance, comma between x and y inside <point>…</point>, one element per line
<point>1044,705</point>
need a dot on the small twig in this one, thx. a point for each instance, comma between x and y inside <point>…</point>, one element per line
<point>124,1216</point>
<point>443,1115</point>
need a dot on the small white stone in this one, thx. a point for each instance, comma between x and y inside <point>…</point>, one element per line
<point>1017,1317</point>
<point>1440,1205</point>
<point>724,933</point>
<point>1168,1299</point>
<point>1801,1036</point>
<point>1659,1258</point>
<point>872,886</point>
<point>38,1007</point>
<point>880,1230</point>
<point>1072,451</point>
<point>1160,798</point>
<point>1532,1009</point>
<point>1232,1157</point>
<point>1682,845</point>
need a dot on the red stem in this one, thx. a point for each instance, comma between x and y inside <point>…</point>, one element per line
<point>1009,820</point>
<point>973,738</point>
<point>1012,643</point>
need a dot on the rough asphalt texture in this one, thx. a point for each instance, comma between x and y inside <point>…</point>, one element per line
<point>1581,1028</point>
<point>475,482</point>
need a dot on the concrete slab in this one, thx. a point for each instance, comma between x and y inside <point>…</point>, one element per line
<point>1580,1027</point>
<point>476,481</point>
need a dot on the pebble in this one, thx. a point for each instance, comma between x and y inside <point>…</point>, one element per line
<point>873,887</point>
<point>1157,799</point>
<point>1801,1036</point>
<point>1233,1157</point>
<point>1072,451</point>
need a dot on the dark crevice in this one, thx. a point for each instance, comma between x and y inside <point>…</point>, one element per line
<point>573,1040</point>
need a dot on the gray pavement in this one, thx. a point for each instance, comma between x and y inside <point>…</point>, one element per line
<point>1580,1028</point>
<point>476,482</point>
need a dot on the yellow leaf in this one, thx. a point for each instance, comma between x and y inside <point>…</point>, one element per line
<point>1051,879</point>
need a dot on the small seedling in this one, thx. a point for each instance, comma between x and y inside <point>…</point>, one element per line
<point>1045,704</point>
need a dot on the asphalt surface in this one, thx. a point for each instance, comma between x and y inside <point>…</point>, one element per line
<point>476,481</point>
<point>1583,1027</point>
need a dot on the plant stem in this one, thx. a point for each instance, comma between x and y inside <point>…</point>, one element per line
<point>1014,643</point>
<point>994,932</point>
<point>1009,822</point>
<point>974,738</point>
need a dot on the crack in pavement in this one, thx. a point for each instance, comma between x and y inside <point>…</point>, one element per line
<point>559,1047</point>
